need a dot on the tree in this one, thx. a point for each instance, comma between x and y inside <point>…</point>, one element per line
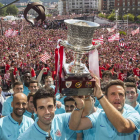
<point>138,17</point>
<point>111,16</point>
<point>12,10</point>
<point>101,15</point>
<point>2,11</point>
<point>129,16</point>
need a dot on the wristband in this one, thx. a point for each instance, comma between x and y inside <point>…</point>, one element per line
<point>77,109</point>
<point>101,97</point>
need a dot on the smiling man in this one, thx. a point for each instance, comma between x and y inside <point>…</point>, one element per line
<point>15,123</point>
<point>7,108</point>
<point>45,105</point>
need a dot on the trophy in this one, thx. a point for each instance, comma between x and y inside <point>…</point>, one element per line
<point>75,77</point>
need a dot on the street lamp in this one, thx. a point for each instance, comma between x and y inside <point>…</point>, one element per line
<point>0,18</point>
<point>127,24</point>
<point>116,12</point>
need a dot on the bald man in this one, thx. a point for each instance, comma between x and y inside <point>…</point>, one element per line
<point>16,123</point>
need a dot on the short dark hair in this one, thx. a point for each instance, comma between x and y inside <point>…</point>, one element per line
<point>130,79</point>
<point>68,99</point>
<point>114,82</point>
<point>107,73</point>
<point>44,93</point>
<point>30,95</point>
<point>33,81</point>
<point>131,84</point>
<point>17,83</point>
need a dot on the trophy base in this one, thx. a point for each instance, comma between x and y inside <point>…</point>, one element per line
<point>76,86</point>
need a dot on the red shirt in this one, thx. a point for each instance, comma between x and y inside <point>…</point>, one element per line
<point>7,67</point>
<point>15,69</point>
<point>121,76</point>
<point>101,70</point>
<point>136,71</point>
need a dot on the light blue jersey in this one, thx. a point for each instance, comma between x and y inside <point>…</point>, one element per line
<point>34,133</point>
<point>10,129</point>
<point>106,131</point>
<point>60,128</point>
<point>96,102</point>
<point>58,98</point>
<point>26,91</point>
<point>137,108</point>
<point>89,134</point>
<point>7,109</point>
<point>29,114</point>
<point>138,99</point>
<point>60,110</point>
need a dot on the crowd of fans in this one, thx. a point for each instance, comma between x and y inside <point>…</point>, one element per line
<point>32,81</point>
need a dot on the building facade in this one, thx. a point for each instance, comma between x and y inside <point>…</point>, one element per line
<point>78,6</point>
<point>128,6</point>
<point>106,5</point>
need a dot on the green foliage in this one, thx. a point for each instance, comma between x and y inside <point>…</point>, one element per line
<point>129,16</point>
<point>111,16</point>
<point>2,11</point>
<point>122,32</point>
<point>101,15</point>
<point>49,15</point>
<point>138,17</point>
<point>12,10</point>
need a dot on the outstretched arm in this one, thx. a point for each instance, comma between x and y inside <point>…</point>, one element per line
<point>122,125</point>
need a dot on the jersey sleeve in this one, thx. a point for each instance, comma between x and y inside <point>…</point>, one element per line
<point>6,109</point>
<point>94,117</point>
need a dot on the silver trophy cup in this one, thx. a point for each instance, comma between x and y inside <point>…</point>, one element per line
<point>75,79</point>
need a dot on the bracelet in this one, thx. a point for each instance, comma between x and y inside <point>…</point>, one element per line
<point>77,109</point>
<point>101,97</point>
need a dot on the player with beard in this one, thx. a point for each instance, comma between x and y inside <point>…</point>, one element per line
<point>15,123</point>
<point>114,121</point>
<point>69,103</point>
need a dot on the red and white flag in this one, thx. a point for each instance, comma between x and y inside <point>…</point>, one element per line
<point>14,33</point>
<point>100,39</point>
<point>114,37</point>
<point>45,57</point>
<point>134,58</point>
<point>135,31</point>
<point>8,32</point>
<point>112,29</point>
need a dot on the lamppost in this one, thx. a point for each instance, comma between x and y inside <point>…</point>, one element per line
<point>116,12</point>
<point>127,23</point>
<point>0,18</point>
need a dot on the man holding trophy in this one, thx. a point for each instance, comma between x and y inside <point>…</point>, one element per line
<point>113,122</point>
